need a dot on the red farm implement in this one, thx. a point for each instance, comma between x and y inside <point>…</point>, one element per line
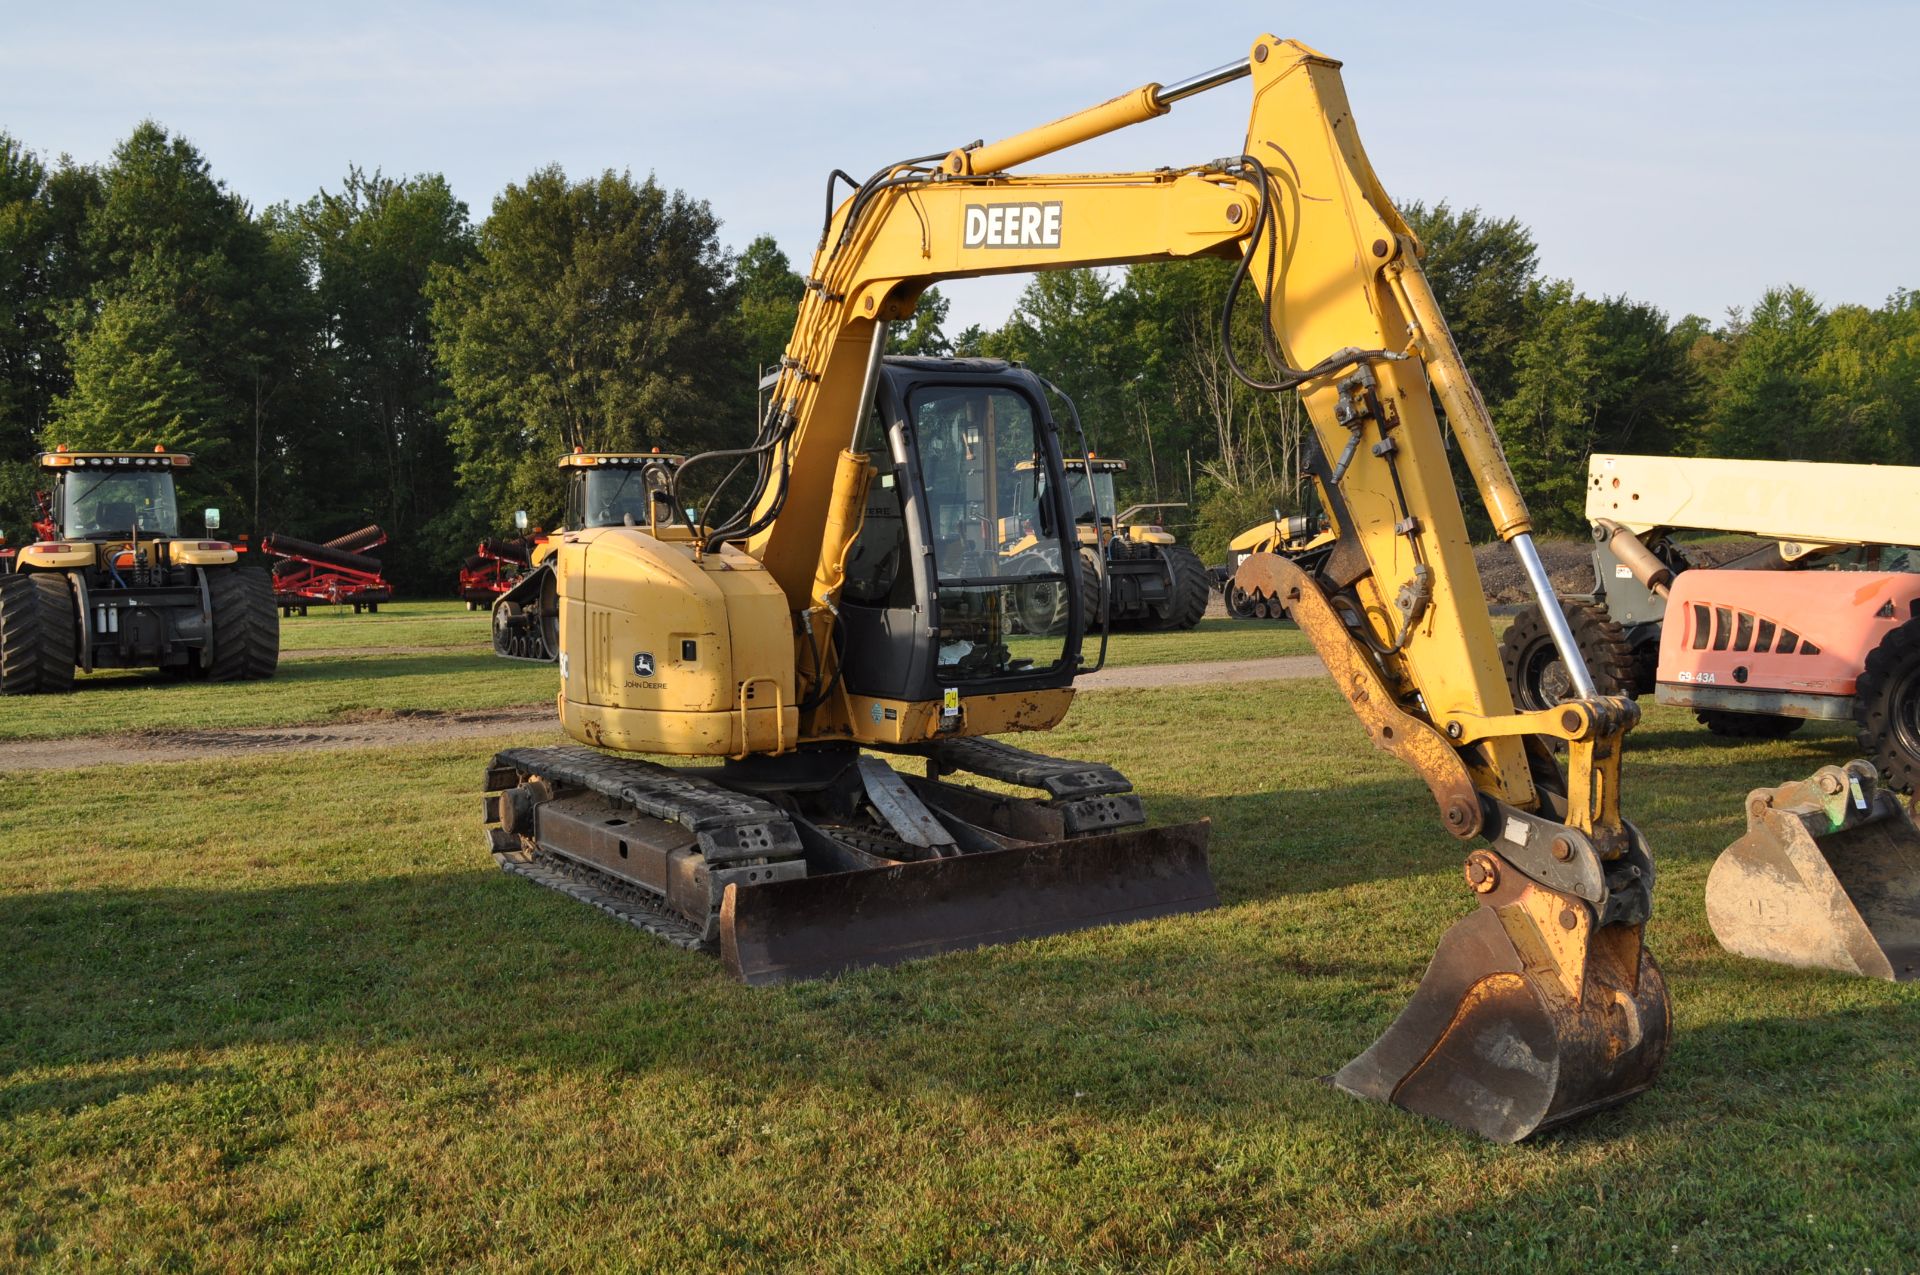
<point>492,569</point>
<point>338,571</point>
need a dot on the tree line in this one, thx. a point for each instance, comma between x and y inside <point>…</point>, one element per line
<point>375,355</point>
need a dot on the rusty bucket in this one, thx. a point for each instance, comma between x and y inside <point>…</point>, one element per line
<point>1532,1014</point>
<point>1826,877</point>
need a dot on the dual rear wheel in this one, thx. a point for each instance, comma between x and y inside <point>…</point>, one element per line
<point>39,631</point>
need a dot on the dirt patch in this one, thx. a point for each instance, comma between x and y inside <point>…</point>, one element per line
<point>1569,565</point>
<point>1279,668</point>
<point>387,731</point>
<point>388,728</point>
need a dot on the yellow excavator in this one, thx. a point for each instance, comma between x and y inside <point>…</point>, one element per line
<point>854,612</point>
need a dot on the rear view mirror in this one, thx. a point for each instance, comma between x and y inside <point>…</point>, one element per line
<point>519,520</point>
<point>213,520</point>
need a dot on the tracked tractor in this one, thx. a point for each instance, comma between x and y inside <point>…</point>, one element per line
<point>603,489</point>
<point>828,665</point>
<point>1301,537</point>
<point>1820,623</point>
<point>1147,579</point>
<point>111,583</point>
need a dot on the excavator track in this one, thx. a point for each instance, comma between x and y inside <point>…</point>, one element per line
<point>618,899</point>
<point>828,874</point>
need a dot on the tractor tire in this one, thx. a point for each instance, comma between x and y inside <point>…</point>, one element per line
<point>1746,725</point>
<point>246,626</point>
<point>1041,608</point>
<point>1534,671</point>
<point>37,633</point>
<point>1089,583</point>
<point>1646,668</point>
<point>1886,704</point>
<point>1186,590</point>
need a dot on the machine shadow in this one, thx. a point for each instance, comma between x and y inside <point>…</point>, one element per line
<point>483,968</point>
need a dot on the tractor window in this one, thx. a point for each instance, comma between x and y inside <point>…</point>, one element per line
<point>119,502</point>
<point>615,493</point>
<point>1086,507</point>
<point>981,462</point>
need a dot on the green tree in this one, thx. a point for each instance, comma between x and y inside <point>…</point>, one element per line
<point>379,438</point>
<point>1547,423</point>
<point>43,273</point>
<point>924,334</point>
<point>770,295</point>
<point>1765,402</point>
<point>599,314</point>
<point>1483,270</point>
<point>195,331</point>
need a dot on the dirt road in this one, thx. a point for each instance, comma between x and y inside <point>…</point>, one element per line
<point>428,727</point>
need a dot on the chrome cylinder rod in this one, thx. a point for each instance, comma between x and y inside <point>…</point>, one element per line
<point>881,328</point>
<point>1171,93</point>
<point>1549,603</point>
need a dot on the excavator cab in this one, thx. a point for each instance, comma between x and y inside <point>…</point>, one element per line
<point>971,444</point>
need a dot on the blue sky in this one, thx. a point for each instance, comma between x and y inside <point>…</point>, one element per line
<point>1685,154</point>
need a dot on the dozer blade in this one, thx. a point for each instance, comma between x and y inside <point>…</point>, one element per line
<point>819,925</point>
<point>1827,876</point>
<point>1530,1015</point>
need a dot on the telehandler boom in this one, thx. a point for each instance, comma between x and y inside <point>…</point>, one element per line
<point>856,602</point>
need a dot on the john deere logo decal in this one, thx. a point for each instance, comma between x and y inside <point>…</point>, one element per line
<point>643,665</point>
<point>1012,226</point>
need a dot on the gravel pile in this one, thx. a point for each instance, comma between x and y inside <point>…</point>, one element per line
<point>1569,565</point>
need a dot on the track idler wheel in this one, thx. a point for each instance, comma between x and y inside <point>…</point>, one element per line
<point>1531,1015</point>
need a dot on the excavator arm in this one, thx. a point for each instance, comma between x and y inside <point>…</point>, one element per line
<point>1554,959</point>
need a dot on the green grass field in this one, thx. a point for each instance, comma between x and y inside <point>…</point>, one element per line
<point>282,1013</point>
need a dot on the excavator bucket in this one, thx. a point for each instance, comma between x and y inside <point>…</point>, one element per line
<point>808,927</point>
<point>1827,876</point>
<point>1530,1015</point>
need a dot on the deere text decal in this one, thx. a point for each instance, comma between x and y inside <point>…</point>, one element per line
<point>1012,226</point>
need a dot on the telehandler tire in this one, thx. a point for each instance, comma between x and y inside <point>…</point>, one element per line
<point>1187,589</point>
<point>37,634</point>
<point>1747,725</point>
<point>1535,674</point>
<point>1886,704</point>
<point>246,626</point>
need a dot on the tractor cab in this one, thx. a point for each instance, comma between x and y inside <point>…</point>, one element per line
<point>112,496</point>
<point>613,489</point>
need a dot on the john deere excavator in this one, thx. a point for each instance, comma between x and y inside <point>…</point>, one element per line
<point>854,611</point>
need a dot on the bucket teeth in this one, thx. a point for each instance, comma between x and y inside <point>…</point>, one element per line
<point>1531,1014</point>
<point>1827,876</point>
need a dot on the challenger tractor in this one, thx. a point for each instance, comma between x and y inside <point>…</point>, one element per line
<point>603,489</point>
<point>1147,579</point>
<point>111,583</point>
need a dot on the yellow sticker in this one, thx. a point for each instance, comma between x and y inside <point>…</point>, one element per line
<point>952,704</point>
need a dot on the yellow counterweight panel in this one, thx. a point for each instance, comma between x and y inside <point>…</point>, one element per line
<point>661,653</point>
